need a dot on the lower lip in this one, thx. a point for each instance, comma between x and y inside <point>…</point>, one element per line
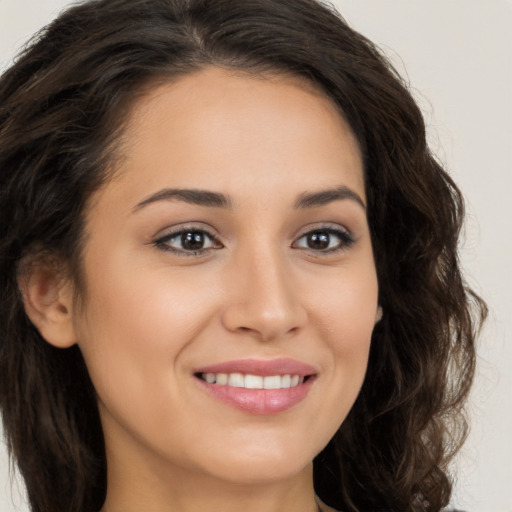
<point>260,401</point>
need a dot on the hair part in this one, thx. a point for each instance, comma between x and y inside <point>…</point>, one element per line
<point>63,109</point>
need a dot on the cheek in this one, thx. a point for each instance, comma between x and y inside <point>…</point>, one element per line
<point>346,307</point>
<point>345,313</point>
<point>132,335</point>
<point>138,320</point>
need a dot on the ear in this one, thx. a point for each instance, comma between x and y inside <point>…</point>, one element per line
<point>48,300</point>
<point>378,315</point>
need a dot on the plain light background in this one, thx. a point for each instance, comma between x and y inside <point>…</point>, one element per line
<point>457,55</point>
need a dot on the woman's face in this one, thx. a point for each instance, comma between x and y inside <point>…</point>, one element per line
<point>231,287</point>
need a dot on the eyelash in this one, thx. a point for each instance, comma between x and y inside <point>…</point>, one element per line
<point>346,240</point>
<point>162,243</point>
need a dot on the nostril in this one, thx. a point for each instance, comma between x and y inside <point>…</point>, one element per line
<point>263,318</point>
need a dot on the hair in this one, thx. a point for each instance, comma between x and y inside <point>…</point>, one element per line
<point>63,107</point>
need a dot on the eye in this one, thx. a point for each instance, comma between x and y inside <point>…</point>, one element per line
<point>325,240</point>
<point>191,241</point>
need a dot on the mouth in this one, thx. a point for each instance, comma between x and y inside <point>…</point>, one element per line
<point>249,381</point>
<point>257,386</point>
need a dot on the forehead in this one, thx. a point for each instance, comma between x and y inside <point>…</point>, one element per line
<point>214,128</point>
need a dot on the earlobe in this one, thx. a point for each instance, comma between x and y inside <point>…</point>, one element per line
<point>48,301</point>
<point>378,315</point>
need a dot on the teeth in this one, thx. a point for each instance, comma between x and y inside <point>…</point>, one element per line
<point>239,380</point>
<point>236,380</point>
<point>272,382</point>
<point>253,382</point>
<point>221,378</point>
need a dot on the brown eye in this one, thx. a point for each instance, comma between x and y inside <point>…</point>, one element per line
<point>318,241</point>
<point>325,240</point>
<point>188,241</point>
<point>193,240</point>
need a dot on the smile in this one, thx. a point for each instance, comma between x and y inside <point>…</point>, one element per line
<point>239,380</point>
<point>258,386</point>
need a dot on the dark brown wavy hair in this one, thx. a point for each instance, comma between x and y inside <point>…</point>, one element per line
<point>63,106</point>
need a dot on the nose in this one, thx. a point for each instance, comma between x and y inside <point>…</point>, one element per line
<point>263,301</point>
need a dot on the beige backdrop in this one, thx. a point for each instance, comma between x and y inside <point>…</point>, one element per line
<point>458,57</point>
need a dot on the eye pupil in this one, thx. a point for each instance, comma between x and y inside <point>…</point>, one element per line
<point>192,240</point>
<point>318,240</point>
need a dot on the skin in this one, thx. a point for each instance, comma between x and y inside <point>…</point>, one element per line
<point>259,291</point>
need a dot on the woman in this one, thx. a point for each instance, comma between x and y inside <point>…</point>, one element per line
<point>229,266</point>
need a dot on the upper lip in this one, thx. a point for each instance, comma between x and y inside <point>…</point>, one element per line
<point>262,367</point>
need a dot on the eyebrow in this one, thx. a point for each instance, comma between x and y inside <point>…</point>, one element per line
<point>218,200</point>
<point>192,196</point>
<point>310,200</point>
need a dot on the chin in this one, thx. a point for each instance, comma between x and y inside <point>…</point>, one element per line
<point>261,472</point>
<point>264,463</point>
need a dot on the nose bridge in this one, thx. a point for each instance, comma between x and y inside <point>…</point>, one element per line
<point>264,301</point>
